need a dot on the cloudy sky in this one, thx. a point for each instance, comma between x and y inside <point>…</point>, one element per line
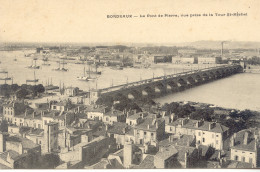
<point>86,21</point>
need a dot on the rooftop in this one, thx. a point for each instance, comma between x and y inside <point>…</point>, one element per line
<point>150,124</point>
<point>239,141</point>
<point>27,144</point>
<point>166,153</point>
<point>191,123</point>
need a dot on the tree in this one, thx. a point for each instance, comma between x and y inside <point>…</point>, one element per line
<point>22,93</point>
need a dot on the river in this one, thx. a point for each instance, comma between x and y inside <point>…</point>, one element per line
<point>239,91</point>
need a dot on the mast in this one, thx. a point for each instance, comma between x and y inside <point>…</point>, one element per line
<point>89,70</point>
<point>34,78</point>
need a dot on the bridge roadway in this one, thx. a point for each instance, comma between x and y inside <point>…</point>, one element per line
<point>159,86</point>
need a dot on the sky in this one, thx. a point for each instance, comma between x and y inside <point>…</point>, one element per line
<point>86,21</point>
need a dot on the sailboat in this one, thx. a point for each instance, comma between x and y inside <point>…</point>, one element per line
<point>45,59</point>
<point>84,77</point>
<point>61,69</point>
<point>32,80</point>
<point>94,72</point>
<point>34,66</point>
<point>6,78</point>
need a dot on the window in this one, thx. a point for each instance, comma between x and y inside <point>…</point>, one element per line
<point>39,126</point>
<point>243,159</point>
<point>170,128</point>
<point>250,160</point>
<point>216,135</point>
<point>203,140</point>
<point>45,122</point>
<point>54,107</point>
<point>216,141</point>
<point>236,158</point>
<point>145,133</point>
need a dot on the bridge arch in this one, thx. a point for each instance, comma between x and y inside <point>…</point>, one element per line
<point>173,85</point>
<point>191,80</point>
<point>205,76</point>
<point>218,74</point>
<point>119,97</point>
<point>212,75</point>
<point>198,79</point>
<point>181,82</point>
<point>148,92</point>
<point>159,88</point>
<point>134,94</point>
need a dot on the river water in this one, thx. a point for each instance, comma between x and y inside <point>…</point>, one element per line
<point>239,91</point>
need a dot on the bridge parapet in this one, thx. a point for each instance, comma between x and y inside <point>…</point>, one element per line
<point>211,72</point>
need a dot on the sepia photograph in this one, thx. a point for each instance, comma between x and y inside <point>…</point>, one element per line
<point>128,84</point>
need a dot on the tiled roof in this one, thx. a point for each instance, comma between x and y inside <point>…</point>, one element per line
<point>166,153</point>
<point>182,150</point>
<point>130,132</point>
<point>114,113</point>
<point>101,164</point>
<point>151,123</point>
<point>27,144</point>
<point>237,164</point>
<point>118,128</point>
<point>13,154</point>
<point>239,141</point>
<point>95,109</point>
<point>191,123</point>
<point>147,163</point>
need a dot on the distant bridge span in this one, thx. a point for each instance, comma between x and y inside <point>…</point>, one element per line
<point>163,85</point>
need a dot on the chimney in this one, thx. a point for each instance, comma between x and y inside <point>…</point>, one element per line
<point>106,127</point>
<point>197,124</point>
<point>33,115</point>
<point>219,155</point>
<point>211,125</point>
<point>148,126</point>
<point>156,124</point>
<point>167,120</point>
<point>171,117</point>
<point>185,159</point>
<point>2,142</point>
<point>42,114</point>
<point>81,153</point>
<point>232,141</point>
<point>245,138</point>
<point>20,147</point>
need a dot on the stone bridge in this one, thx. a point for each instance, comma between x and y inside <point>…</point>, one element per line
<point>161,86</point>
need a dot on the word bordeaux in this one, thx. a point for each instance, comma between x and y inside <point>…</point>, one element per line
<point>119,16</point>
